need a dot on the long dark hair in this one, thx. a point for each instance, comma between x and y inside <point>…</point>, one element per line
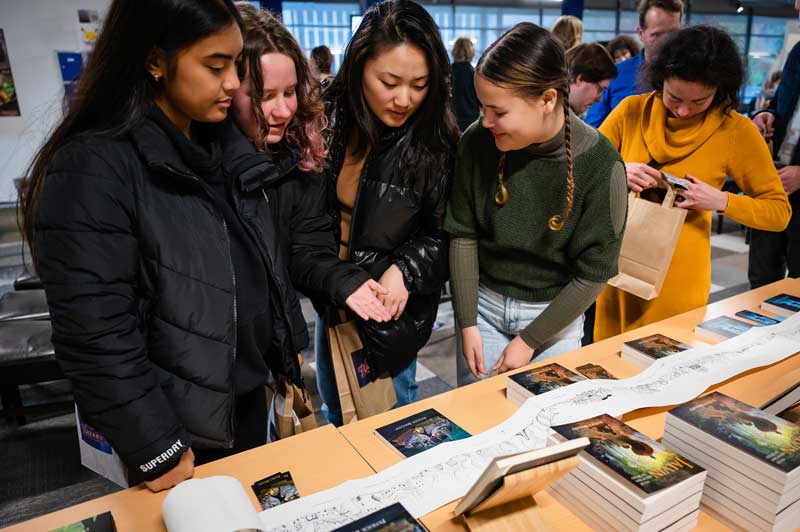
<point>114,90</point>
<point>529,60</point>
<point>703,54</point>
<point>433,127</point>
<point>265,34</point>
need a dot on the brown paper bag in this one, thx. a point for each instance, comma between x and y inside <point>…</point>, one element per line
<point>361,394</point>
<point>651,234</point>
<point>293,412</point>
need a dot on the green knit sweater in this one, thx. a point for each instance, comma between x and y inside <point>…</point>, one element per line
<point>518,255</point>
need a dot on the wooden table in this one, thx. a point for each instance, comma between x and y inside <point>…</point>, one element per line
<point>318,460</point>
<point>325,457</point>
<point>483,405</point>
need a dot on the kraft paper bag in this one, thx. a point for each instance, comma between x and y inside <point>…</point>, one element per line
<point>290,413</point>
<point>651,234</point>
<point>361,393</point>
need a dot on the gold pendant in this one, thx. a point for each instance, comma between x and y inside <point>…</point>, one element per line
<point>501,196</point>
<point>556,222</point>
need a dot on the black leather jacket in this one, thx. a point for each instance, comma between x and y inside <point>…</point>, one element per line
<point>136,263</point>
<point>397,219</point>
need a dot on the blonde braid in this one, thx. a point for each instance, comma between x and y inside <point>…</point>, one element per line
<point>556,221</point>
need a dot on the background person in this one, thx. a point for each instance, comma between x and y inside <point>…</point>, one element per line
<point>465,102</point>
<point>591,69</point>
<point>657,20</point>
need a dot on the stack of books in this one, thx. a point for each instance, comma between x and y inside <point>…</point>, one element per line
<point>647,350</point>
<point>752,458</point>
<point>722,328</point>
<point>539,380</point>
<point>628,482</point>
<point>783,305</point>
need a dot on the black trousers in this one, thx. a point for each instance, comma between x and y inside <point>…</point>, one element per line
<point>772,254</point>
<point>250,429</point>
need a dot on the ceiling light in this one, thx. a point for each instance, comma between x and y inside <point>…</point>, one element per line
<point>739,7</point>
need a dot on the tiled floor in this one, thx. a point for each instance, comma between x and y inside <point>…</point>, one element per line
<point>39,466</point>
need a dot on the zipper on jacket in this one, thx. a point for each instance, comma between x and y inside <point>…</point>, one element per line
<point>231,410</point>
<point>355,208</point>
<point>235,328</point>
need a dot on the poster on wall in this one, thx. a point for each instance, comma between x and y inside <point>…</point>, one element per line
<point>9,105</point>
<point>89,21</point>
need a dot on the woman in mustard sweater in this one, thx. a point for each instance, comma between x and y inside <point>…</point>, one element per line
<point>689,127</point>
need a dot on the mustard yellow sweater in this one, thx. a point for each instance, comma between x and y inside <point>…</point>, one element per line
<point>710,147</point>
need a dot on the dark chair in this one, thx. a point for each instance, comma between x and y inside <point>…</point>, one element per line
<point>27,281</point>
<point>25,305</point>
<point>26,357</point>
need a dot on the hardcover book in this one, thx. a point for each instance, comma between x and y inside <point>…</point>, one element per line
<point>782,305</point>
<point>722,328</point>
<point>542,379</point>
<point>393,518</point>
<point>99,523</point>
<point>634,457</point>
<point>647,350</point>
<point>420,432</point>
<point>769,439</point>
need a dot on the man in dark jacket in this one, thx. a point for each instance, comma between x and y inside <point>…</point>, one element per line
<point>771,254</point>
<point>169,290</point>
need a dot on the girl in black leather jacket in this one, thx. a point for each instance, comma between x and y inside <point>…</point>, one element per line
<point>392,141</point>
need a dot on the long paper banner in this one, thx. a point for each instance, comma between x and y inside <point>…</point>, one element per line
<point>436,477</point>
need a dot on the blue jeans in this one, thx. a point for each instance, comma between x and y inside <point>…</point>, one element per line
<point>405,382</point>
<point>500,319</point>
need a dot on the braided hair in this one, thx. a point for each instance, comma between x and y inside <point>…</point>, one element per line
<point>529,60</point>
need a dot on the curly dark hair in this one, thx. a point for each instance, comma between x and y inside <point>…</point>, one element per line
<point>701,54</point>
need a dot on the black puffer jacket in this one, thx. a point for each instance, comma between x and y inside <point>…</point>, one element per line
<point>136,264</point>
<point>397,219</point>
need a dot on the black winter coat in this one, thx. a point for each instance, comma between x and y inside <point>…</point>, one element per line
<point>397,219</point>
<point>136,264</point>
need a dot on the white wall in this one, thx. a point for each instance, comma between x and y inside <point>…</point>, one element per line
<point>35,30</point>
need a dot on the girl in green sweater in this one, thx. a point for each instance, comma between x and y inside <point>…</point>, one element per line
<point>536,212</point>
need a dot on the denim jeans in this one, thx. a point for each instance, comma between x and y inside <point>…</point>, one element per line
<point>405,382</point>
<point>500,319</point>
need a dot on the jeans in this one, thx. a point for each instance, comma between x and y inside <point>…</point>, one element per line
<point>500,319</point>
<point>405,382</point>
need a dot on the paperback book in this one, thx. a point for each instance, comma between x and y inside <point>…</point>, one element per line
<point>633,457</point>
<point>722,328</point>
<point>647,350</point>
<point>782,305</point>
<point>744,432</point>
<point>539,380</point>
<point>393,518</point>
<point>275,490</point>
<point>99,523</point>
<point>420,432</point>
<point>593,371</point>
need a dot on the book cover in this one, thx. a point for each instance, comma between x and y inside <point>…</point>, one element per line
<point>636,458</point>
<point>725,326</point>
<point>275,490</point>
<point>420,432</point>
<point>593,371</point>
<point>769,438</point>
<point>545,378</point>
<point>658,346</point>
<point>99,523</point>
<point>393,518</point>
<point>785,301</point>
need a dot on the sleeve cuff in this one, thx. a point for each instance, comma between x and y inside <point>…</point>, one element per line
<point>157,459</point>
<point>408,279</point>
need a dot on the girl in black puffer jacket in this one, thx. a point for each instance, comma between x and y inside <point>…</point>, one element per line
<point>164,266</point>
<point>393,136</point>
